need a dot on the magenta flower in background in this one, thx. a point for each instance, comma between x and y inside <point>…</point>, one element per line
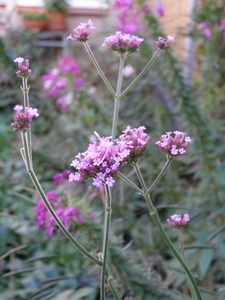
<point>67,215</point>
<point>130,15</point>
<point>68,65</point>
<point>61,81</point>
<point>82,32</point>
<point>205,29</point>
<point>173,143</point>
<point>61,177</point>
<point>123,43</point>
<point>22,120</point>
<point>160,10</point>
<point>178,220</point>
<point>123,4</point>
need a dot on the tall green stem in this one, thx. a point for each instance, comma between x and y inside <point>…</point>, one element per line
<point>26,157</point>
<point>106,238</point>
<point>155,217</point>
<point>25,90</point>
<point>98,68</point>
<point>141,74</point>
<point>117,98</point>
<point>166,166</point>
<point>180,237</point>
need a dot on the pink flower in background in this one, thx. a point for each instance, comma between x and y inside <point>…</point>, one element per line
<point>82,32</point>
<point>129,17</point>
<point>61,177</point>
<point>174,143</point>
<point>67,215</point>
<point>160,10</point>
<point>61,81</point>
<point>222,27</point>
<point>123,4</point>
<point>64,102</point>
<point>178,220</point>
<point>205,29</point>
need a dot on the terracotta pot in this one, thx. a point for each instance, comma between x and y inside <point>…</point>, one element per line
<point>56,20</point>
<point>35,24</point>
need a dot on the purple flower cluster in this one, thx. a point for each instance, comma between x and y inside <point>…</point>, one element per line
<point>173,143</point>
<point>178,220</point>
<point>24,70</point>
<point>130,15</point>
<point>61,80</point>
<point>136,141</point>
<point>22,120</point>
<point>82,32</point>
<point>124,43</point>
<point>103,158</point>
<point>162,43</point>
<point>66,214</point>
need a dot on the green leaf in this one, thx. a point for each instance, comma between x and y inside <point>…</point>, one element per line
<point>205,261</point>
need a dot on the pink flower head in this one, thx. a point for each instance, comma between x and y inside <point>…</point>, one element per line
<point>23,69</point>
<point>136,141</point>
<point>100,162</point>
<point>178,220</point>
<point>162,43</point>
<point>103,158</point>
<point>173,143</point>
<point>123,43</point>
<point>160,10</point>
<point>22,120</point>
<point>82,32</point>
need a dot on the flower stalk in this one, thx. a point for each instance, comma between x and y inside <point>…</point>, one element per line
<point>108,211</point>
<point>155,217</point>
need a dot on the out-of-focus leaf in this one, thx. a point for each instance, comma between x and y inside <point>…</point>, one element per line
<point>205,259</point>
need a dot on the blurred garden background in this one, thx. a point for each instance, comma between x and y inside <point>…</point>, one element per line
<point>184,90</point>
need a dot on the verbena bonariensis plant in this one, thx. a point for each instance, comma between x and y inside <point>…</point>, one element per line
<point>103,159</point>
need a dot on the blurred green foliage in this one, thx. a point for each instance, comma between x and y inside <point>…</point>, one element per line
<point>142,265</point>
